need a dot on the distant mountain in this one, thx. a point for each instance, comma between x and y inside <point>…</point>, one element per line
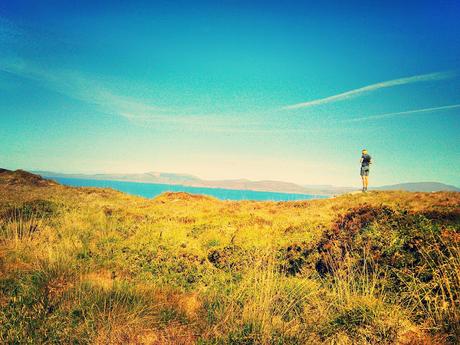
<point>420,187</point>
<point>148,177</point>
<point>193,181</point>
<point>244,184</point>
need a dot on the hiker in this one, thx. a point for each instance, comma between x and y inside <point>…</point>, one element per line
<point>365,161</point>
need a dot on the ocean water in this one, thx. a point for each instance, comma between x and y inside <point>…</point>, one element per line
<point>151,190</point>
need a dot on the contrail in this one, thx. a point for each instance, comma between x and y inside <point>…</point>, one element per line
<point>416,111</point>
<point>372,87</point>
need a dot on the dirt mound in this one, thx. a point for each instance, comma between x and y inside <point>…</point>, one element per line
<point>21,177</point>
<point>176,196</point>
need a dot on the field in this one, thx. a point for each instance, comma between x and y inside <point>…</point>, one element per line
<point>96,266</point>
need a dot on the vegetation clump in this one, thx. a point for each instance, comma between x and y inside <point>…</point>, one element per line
<point>420,257</point>
<point>230,257</point>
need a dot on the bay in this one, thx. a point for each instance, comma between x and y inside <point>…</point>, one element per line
<point>151,190</point>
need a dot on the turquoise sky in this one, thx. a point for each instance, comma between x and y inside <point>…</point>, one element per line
<point>233,89</point>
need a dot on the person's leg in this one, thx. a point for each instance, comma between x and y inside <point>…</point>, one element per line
<point>363,179</point>
<point>366,182</point>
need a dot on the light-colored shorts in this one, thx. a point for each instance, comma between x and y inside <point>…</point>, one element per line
<point>365,170</point>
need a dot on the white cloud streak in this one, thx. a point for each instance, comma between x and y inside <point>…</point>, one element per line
<point>92,91</point>
<point>76,86</point>
<point>370,88</point>
<point>402,113</point>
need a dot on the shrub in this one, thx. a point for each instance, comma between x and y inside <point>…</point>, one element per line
<point>421,255</point>
<point>230,258</point>
<point>295,257</point>
<point>182,269</point>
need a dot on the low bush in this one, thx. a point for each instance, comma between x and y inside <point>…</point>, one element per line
<point>230,258</point>
<point>296,257</point>
<point>421,257</point>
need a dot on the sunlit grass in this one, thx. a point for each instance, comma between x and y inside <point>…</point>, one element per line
<point>95,266</point>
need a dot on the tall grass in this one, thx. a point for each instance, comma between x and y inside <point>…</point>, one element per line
<point>106,268</point>
<point>359,311</point>
<point>265,307</point>
<point>54,304</point>
<point>112,316</point>
<point>436,297</point>
<point>19,225</point>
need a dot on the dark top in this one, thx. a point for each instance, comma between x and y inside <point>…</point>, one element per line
<point>366,160</point>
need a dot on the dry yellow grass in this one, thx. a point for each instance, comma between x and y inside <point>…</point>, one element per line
<point>89,265</point>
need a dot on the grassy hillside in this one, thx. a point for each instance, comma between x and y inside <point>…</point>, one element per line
<point>88,265</point>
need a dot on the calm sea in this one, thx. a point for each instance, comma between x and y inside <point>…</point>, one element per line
<point>151,190</point>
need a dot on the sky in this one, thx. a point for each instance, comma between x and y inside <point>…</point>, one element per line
<point>285,90</point>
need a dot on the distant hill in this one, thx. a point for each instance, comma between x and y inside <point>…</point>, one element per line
<point>150,177</point>
<point>23,178</point>
<point>245,184</point>
<point>193,181</point>
<point>420,187</point>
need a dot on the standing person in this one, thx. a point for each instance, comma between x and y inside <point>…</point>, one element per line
<point>365,162</point>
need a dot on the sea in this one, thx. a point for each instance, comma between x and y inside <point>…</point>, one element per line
<point>151,190</point>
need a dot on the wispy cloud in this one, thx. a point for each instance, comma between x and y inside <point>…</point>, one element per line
<point>402,113</point>
<point>104,96</point>
<point>95,92</point>
<point>373,87</point>
<point>91,90</point>
<point>78,86</point>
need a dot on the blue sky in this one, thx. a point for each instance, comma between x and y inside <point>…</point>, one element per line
<point>233,89</point>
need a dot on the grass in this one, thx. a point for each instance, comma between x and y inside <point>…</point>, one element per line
<point>95,266</point>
